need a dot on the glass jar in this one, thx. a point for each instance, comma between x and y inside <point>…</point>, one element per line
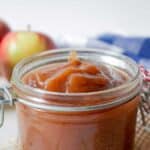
<point>103,120</point>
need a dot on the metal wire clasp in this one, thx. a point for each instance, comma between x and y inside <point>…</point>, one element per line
<point>5,98</point>
<point>145,95</point>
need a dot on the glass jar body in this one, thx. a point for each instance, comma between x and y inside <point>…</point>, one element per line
<point>112,129</point>
<point>83,121</point>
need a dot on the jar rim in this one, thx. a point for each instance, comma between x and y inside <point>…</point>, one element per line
<point>21,86</point>
<point>26,87</point>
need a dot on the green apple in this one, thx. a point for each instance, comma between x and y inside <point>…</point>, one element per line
<point>18,45</point>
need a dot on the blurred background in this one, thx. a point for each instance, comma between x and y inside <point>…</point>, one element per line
<point>121,25</point>
<point>79,17</point>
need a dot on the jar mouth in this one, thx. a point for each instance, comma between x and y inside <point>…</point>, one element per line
<point>23,86</point>
<point>38,59</point>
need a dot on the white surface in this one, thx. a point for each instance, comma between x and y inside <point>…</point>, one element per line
<point>9,130</point>
<point>73,17</point>
<point>78,17</point>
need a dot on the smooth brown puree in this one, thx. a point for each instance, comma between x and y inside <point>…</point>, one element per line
<point>75,76</point>
<point>109,129</point>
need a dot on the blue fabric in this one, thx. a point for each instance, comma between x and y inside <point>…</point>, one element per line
<point>137,48</point>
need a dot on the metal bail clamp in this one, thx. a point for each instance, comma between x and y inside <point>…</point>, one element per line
<point>145,95</point>
<point>5,99</point>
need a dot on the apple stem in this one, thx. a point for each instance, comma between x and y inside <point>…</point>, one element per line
<point>29,27</point>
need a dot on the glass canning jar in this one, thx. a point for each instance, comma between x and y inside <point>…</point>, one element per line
<point>104,120</point>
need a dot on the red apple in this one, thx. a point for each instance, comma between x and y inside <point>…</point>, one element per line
<point>4,29</point>
<point>5,70</point>
<point>18,45</point>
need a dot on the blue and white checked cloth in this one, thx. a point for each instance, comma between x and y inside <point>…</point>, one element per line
<point>138,48</point>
